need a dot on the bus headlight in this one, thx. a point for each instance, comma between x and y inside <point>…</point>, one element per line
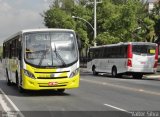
<point>74,73</point>
<point>29,74</point>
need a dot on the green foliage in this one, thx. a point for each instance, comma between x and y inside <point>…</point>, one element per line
<point>117,20</point>
<point>83,36</point>
<point>155,16</point>
<point>58,18</point>
<point>106,38</point>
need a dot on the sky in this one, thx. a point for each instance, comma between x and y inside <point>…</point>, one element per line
<point>16,15</point>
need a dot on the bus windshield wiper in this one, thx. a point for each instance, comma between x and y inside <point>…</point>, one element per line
<point>57,54</point>
<point>43,55</point>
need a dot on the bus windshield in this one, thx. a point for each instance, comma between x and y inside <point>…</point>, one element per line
<point>144,49</point>
<point>52,49</point>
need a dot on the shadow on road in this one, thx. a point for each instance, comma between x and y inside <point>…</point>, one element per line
<point>13,91</point>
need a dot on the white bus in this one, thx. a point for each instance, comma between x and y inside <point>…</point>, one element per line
<point>39,59</point>
<point>132,58</point>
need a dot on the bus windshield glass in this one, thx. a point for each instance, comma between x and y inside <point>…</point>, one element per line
<point>52,49</point>
<point>144,49</point>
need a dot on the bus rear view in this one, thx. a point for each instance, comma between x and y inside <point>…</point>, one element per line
<point>142,58</point>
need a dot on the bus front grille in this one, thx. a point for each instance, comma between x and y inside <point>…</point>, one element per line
<point>61,77</point>
<point>52,72</point>
<point>51,86</point>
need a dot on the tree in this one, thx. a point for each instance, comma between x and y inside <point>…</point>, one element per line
<point>117,20</point>
<point>57,18</point>
<point>155,16</point>
<point>60,16</point>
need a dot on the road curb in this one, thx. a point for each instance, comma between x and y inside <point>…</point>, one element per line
<point>152,76</point>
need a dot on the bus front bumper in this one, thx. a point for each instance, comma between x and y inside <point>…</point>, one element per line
<point>46,84</point>
<point>141,70</point>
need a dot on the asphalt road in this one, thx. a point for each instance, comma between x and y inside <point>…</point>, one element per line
<point>97,96</point>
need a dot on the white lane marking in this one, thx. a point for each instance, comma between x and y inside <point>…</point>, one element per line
<point>4,104</point>
<point>117,108</point>
<point>122,87</point>
<point>6,108</point>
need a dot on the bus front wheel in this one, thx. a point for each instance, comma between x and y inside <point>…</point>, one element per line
<point>114,72</point>
<point>94,71</point>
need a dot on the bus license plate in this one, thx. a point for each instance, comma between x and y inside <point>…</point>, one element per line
<point>52,83</point>
<point>143,63</point>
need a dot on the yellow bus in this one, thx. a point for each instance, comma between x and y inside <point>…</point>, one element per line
<point>41,59</point>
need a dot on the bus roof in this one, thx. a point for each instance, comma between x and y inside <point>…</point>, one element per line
<point>45,30</point>
<point>37,30</point>
<point>124,43</point>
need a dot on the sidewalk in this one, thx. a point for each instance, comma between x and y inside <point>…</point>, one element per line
<point>156,75</point>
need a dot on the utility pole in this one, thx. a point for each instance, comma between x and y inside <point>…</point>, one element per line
<point>95,21</point>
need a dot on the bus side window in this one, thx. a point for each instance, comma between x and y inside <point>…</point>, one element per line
<point>109,52</point>
<point>118,52</point>
<point>101,52</point>
<point>96,54</point>
<point>123,51</point>
<point>4,50</point>
<point>10,50</point>
<point>90,56</point>
<point>105,53</point>
<point>114,52</point>
<point>13,48</point>
<point>19,49</point>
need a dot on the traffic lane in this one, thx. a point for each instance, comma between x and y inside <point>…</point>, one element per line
<point>51,100</point>
<point>129,100</point>
<point>67,101</point>
<point>49,103</point>
<point>139,97</point>
<point>145,84</point>
<point>89,97</point>
<point>73,102</point>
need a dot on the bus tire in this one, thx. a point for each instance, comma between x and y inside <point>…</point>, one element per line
<point>8,81</point>
<point>94,71</point>
<point>20,89</point>
<point>114,72</point>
